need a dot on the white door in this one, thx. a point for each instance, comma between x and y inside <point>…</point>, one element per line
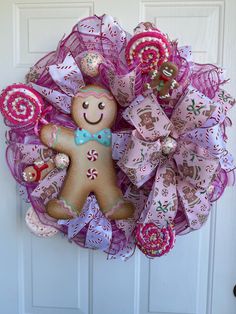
<point>52,276</point>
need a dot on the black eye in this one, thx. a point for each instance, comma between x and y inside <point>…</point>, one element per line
<point>85,105</point>
<point>101,105</point>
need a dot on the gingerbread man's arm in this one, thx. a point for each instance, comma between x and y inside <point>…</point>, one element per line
<point>154,76</point>
<point>174,84</point>
<point>59,138</point>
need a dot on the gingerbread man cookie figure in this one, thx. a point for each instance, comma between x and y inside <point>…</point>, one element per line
<point>41,167</point>
<point>89,148</point>
<point>38,171</point>
<point>163,81</point>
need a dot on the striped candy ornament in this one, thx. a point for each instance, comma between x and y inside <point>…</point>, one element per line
<point>92,174</point>
<point>154,241</point>
<point>149,49</point>
<point>92,155</point>
<point>20,104</point>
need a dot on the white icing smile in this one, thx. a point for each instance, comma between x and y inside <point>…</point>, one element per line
<point>167,73</point>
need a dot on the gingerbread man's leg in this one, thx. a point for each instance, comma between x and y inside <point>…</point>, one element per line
<point>71,199</point>
<point>112,203</point>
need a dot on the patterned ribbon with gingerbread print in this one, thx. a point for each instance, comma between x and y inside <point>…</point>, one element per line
<point>172,151</point>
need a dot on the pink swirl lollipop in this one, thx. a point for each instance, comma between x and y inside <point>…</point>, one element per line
<point>154,241</point>
<point>149,49</point>
<point>21,105</point>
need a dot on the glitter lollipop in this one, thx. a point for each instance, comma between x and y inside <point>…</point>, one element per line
<point>21,105</point>
<point>149,48</point>
<point>154,241</point>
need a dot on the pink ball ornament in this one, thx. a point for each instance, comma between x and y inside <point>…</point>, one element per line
<point>89,63</point>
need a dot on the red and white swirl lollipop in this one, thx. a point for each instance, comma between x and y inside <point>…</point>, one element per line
<point>149,48</point>
<point>21,105</point>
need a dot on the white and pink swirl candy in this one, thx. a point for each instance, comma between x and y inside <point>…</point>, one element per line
<point>92,174</point>
<point>20,104</point>
<point>92,155</point>
<point>149,48</point>
<point>37,227</point>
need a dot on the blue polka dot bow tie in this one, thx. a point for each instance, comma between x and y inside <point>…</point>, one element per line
<point>83,136</point>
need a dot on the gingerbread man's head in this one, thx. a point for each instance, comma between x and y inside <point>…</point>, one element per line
<point>29,174</point>
<point>169,70</point>
<point>94,108</point>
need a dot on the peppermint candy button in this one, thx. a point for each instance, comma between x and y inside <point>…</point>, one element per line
<point>92,155</point>
<point>92,174</point>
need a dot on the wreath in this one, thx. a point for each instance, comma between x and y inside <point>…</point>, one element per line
<point>167,139</point>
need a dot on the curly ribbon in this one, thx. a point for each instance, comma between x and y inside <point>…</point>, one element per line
<point>183,177</point>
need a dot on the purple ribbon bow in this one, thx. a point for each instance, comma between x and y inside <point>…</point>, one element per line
<point>183,153</point>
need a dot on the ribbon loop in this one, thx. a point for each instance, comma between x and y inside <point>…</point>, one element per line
<point>67,75</point>
<point>58,99</point>
<point>149,119</point>
<point>99,230</point>
<point>123,87</point>
<point>140,159</point>
<point>197,170</point>
<point>195,203</point>
<point>193,110</point>
<point>162,203</point>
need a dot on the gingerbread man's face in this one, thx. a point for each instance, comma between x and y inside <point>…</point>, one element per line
<point>94,108</point>
<point>29,174</point>
<point>169,69</point>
